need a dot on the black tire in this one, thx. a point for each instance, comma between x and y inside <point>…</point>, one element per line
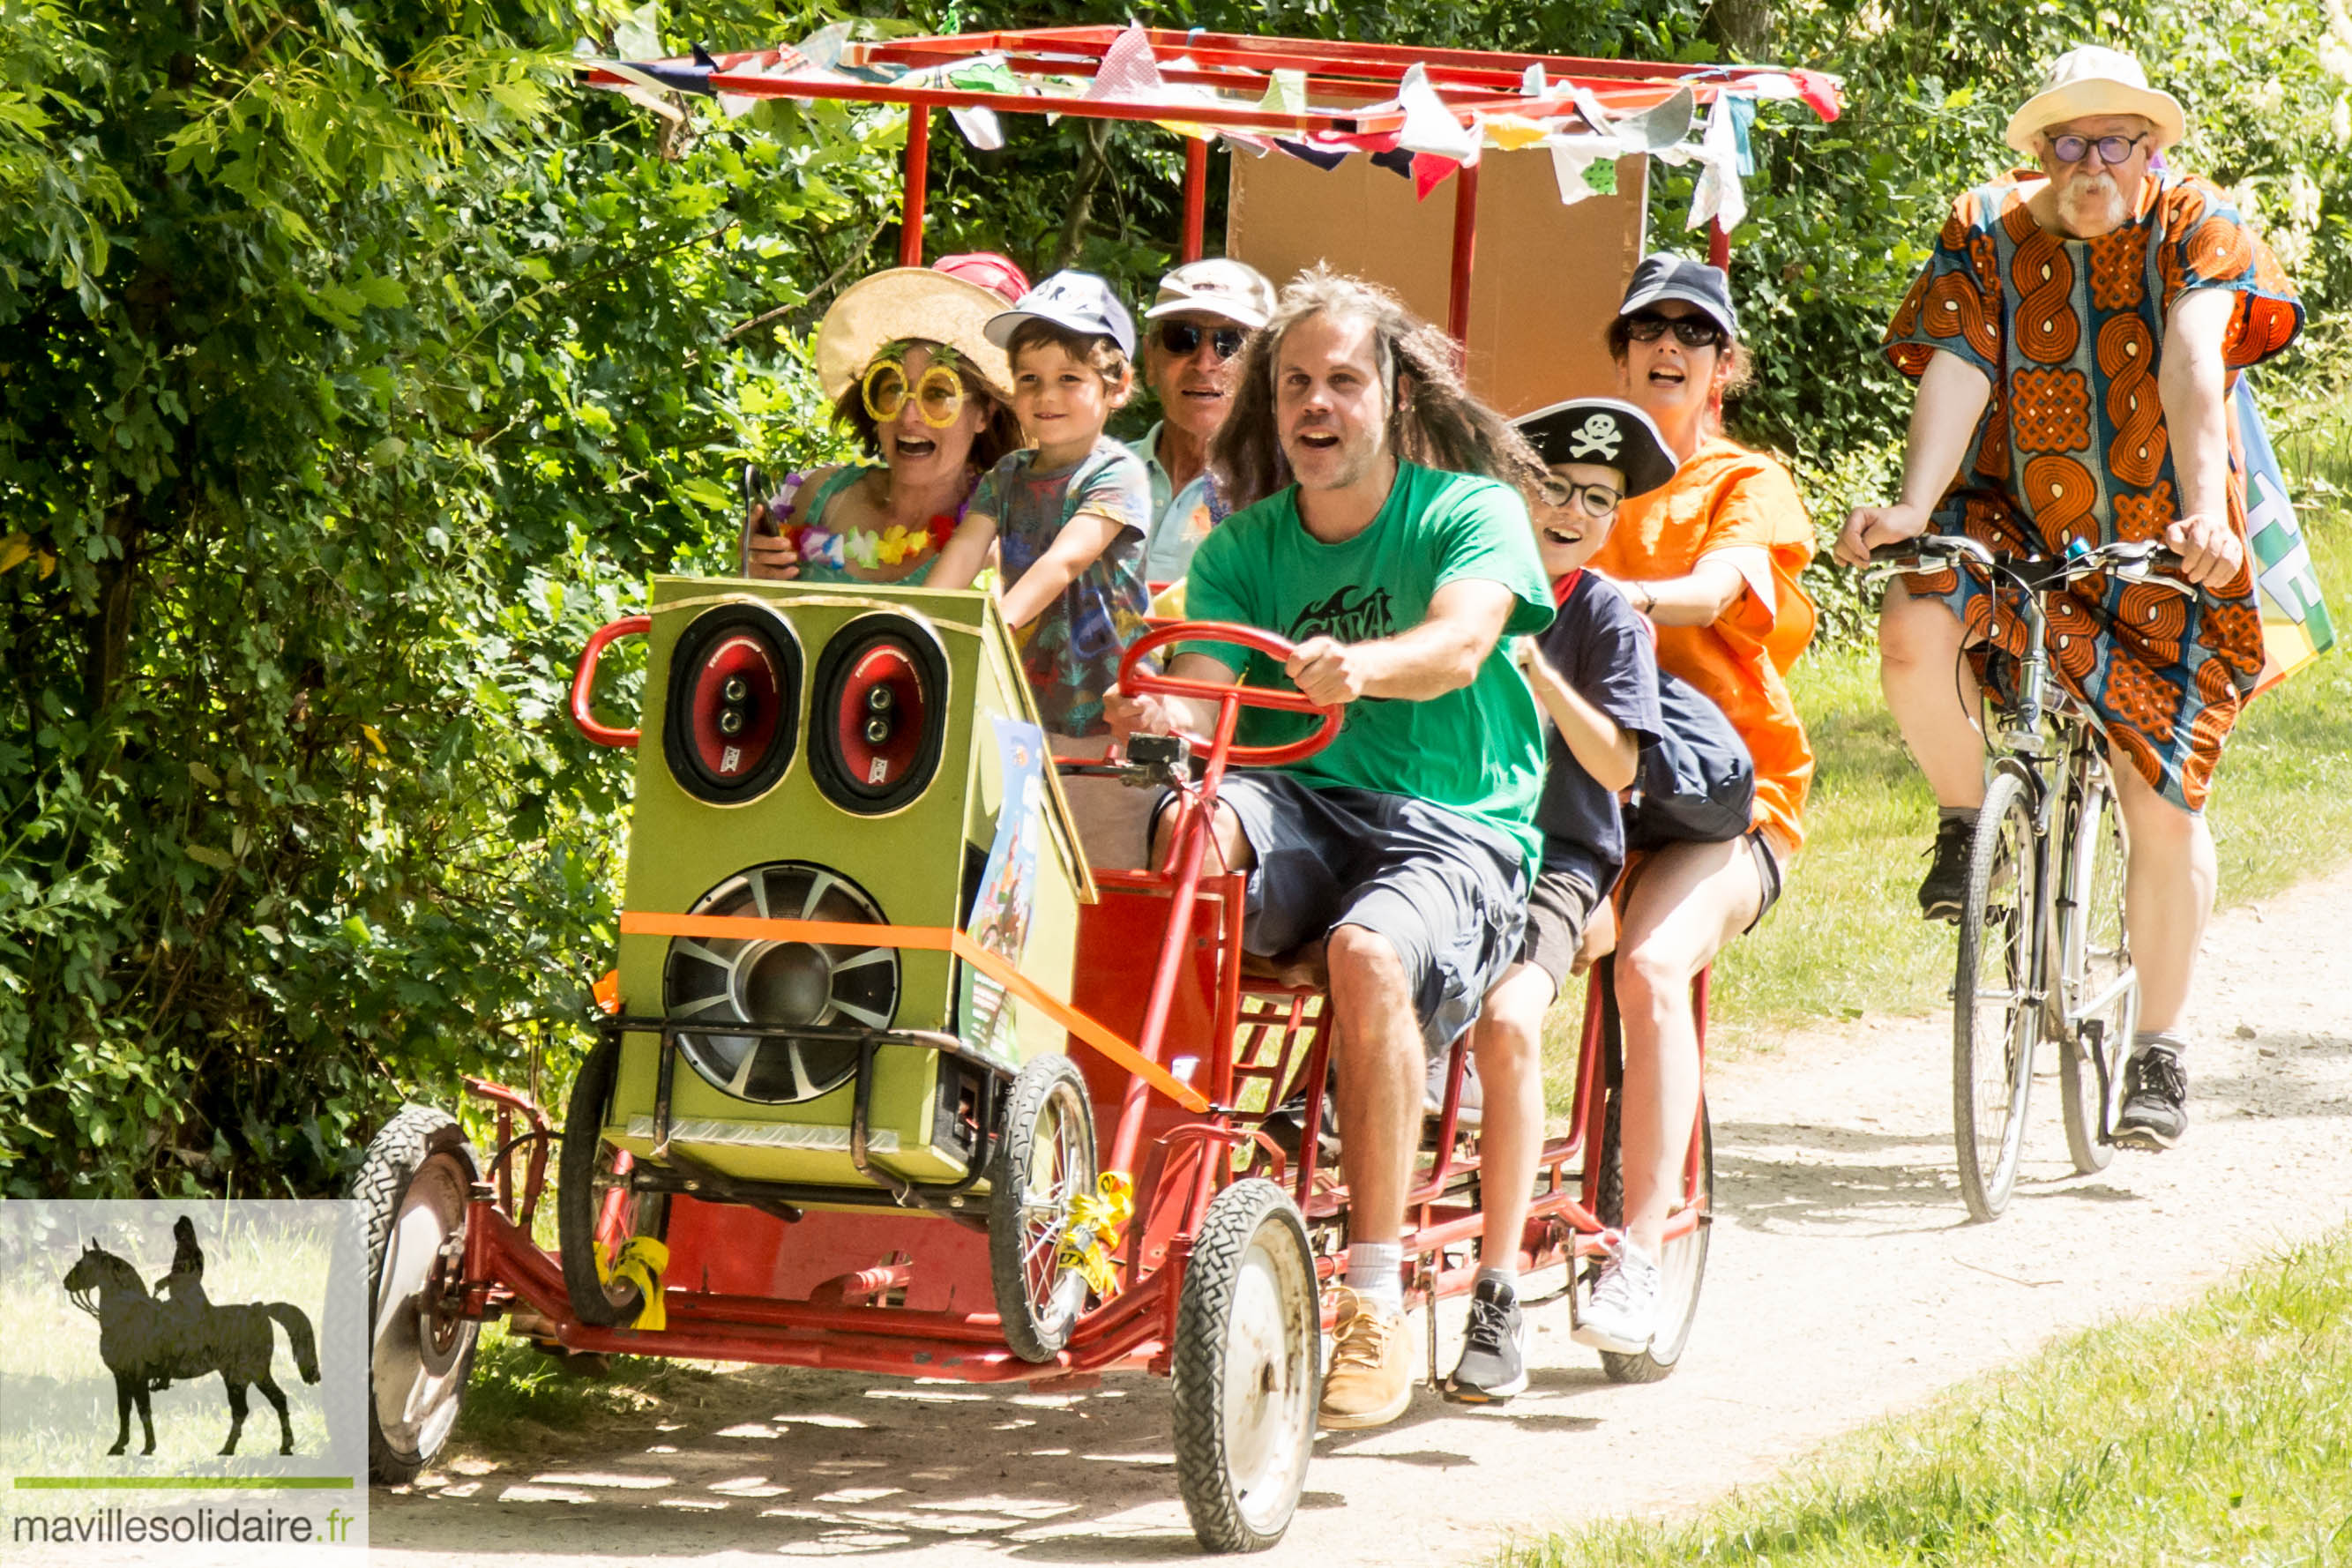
<point>1996,1022</point>
<point>2094,962</point>
<point>580,1194</point>
<point>1044,1162</point>
<point>1248,1346</point>
<point>414,1184</point>
<point>1681,1262</point>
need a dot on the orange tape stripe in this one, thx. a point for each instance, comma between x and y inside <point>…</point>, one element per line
<point>929,939</point>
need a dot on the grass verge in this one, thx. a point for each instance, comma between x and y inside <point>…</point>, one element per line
<point>2215,1433</point>
<point>523,1401</point>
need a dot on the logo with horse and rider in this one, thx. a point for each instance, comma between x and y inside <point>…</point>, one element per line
<point>190,1317</point>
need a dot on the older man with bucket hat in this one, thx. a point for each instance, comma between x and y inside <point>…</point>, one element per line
<point>2076,337</point>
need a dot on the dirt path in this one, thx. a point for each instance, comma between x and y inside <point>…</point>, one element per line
<point>1843,1283</point>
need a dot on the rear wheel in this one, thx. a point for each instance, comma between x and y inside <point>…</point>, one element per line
<point>2097,978</point>
<point>1681,1262</point>
<point>1995,1018</point>
<point>414,1184</point>
<point>1044,1164</point>
<point>1248,1339</point>
<point>587,1179</point>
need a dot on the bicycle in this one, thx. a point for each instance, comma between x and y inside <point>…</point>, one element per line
<point>2049,789</point>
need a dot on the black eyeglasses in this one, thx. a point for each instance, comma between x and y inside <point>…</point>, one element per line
<point>1691,331</point>
<point>1182,339</point>
<point>2112,149</point>
<point>1596,501</point>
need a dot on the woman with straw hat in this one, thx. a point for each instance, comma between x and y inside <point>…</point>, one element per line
<point>911,374</point>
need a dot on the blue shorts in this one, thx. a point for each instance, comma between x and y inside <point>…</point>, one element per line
<point>1448,894</point>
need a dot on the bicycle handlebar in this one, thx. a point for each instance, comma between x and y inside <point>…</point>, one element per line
<point>2137,560</point>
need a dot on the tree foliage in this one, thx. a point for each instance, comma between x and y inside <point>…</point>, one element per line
<point>353,368</point>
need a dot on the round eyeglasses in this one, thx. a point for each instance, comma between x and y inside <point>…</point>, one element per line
<point>938,394</point>
<point>1593,500</point>
<point>2112,149</point>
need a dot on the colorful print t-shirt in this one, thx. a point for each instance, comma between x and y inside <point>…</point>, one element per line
<point>1071,651</point>
<point>2073,446</point>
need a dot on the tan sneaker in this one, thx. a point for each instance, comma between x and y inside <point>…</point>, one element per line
<point>1370,1380</point>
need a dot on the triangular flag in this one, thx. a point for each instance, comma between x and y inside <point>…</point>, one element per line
<point>1429,172</point>
<point>1717,196</point>
<point>1511,132</point>
<point>1128,72</point>
<point>1429,126</point>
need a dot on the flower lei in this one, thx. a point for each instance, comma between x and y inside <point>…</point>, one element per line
<point>819,545</point>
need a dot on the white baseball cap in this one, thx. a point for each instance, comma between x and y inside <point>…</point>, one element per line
<point>1215,286</point>
<point>2094,81</point>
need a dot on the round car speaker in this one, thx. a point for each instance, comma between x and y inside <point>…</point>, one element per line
<point>877,713</point>
<point>716,982</point>
<point>734,704</point>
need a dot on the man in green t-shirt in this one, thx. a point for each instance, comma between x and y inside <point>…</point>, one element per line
<point>1404,847</point>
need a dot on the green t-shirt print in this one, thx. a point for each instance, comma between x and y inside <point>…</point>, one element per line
<point>1477,751</point>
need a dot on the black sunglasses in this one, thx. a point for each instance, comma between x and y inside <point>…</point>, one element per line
<point>1691,331</point>
<point>1182,339</point>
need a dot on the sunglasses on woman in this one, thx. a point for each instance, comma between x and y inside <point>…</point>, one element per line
<point>2112,149</point>
<point>1593,500</point>
<point>1182,339</point>
<point>1691,331</point>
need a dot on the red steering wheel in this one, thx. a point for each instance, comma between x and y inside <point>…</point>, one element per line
<point>1136,681</point>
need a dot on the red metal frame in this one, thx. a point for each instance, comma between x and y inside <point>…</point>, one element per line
<point>1345,84</point>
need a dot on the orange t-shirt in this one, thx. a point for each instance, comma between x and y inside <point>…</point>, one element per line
<point>1726,495</point>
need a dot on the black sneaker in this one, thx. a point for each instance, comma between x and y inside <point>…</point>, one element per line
<point>1494,1365</point>
<point>1947,886</point>
<point>2156,1100</point>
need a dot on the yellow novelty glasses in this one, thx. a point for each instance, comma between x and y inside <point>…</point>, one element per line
<point>937,393</point>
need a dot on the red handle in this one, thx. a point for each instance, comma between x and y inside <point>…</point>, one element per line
<point>1136,682</point>
<point>583,681</point>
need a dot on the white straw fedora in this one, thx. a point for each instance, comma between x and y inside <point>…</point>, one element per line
<point>903,303</point>
<point>2092,80</point>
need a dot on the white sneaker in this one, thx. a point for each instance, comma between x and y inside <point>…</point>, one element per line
<point>1622,1315</point>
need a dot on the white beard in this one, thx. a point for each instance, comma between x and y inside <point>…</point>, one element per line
<point>2092,205</point>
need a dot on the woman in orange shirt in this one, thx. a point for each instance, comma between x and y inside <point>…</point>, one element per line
<point>1712,559</point>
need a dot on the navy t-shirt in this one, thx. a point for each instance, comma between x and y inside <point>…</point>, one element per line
<point>1602,649</point>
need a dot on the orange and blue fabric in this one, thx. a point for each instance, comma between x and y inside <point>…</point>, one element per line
<point>2072,447</point>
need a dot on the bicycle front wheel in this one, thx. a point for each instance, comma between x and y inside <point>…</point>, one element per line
<point>2097,980</point>
<point>1995,1014</point>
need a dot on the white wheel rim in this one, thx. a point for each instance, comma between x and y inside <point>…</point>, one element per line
<point>1268,1403</point>
<point>415,1385</point>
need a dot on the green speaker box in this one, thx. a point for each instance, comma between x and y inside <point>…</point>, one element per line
<point>852,754</point>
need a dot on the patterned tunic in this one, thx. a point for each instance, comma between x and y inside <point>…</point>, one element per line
<point>2073,447</point>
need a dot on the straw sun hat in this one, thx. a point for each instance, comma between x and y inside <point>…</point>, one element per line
<point>2092,81</point>
<point>907,303</point>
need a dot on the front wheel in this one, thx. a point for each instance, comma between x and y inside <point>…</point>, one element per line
<point>1044,1164</point>
<point>1248,1341</point>
<point>414,1184</point>
<point>1996,1016</point>
<point>589,1182</point>
<point>2097,980</point>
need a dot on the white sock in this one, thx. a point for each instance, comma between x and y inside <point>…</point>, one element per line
<point>2159,1039</point>
<point>1506,1278</point>
<point>1375,1272</point>
<point>1630,1251</point>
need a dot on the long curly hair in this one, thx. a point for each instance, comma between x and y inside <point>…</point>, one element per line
<point>1433,418</point>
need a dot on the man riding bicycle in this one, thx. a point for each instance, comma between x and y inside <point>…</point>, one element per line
<point>2076,335</point>
<point>1403,848</point>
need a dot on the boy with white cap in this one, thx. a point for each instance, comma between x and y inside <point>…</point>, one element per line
<point>1068,518</point>
<point>2076,335</point>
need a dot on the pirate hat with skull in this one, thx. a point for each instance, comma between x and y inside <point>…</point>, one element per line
<point>1601,430</point>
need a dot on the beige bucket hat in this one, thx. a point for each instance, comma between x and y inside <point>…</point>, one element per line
<point>907,303</point>
<point>2094,81</point>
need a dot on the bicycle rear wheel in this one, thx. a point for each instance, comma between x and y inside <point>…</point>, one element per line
<point>2097,979</point>
<point>1995,1015</point>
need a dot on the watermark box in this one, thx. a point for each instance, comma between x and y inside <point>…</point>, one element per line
<point>183,1383</point>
